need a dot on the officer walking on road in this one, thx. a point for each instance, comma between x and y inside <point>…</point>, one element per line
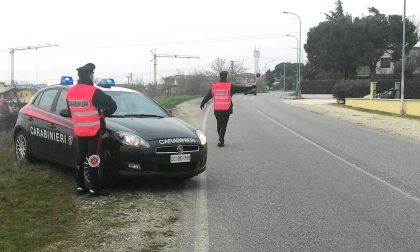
<point>88,105</point>
<point>222,92</point>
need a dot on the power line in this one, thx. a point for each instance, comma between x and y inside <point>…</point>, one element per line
<point>201,41</point>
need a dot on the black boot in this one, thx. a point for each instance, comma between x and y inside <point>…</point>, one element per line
<point>221,143</point>
<point>80,190</point>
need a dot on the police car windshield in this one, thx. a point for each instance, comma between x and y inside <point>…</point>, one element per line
<point>131,104</point>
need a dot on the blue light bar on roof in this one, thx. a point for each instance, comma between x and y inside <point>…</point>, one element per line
<point>110,82</point>
<point>66,80</point>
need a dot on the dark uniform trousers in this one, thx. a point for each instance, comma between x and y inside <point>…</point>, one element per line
<point>222,118</point>
<point>84,173</point>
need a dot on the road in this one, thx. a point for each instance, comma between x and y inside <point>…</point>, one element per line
<point>289,179</point>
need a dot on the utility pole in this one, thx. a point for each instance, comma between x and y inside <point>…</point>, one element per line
<point>402,110</point>
<point>130,78</point>
<point>155,56</point>
<point>257,59</point>
<point>12,57</point>
<point>284,76</point>
<point>12,61</point>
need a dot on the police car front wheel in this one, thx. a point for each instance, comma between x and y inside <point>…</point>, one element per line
<point>22,149</point>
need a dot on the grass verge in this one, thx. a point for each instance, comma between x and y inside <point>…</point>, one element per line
<point>36,207</point>
<point>374,111</point>
<point>170,102</point>
<point>293,94</point>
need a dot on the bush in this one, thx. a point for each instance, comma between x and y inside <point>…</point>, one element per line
<point>8,120</point>
<point>317,86</point>
<point>351,89</point>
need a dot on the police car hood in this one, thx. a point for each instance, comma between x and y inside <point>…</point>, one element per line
<point>152,128</point>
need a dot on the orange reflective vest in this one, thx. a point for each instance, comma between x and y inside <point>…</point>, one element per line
<point>85,115</point>
<point>222,98</point>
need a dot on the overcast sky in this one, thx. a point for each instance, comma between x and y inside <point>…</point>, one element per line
<point>117,36</point>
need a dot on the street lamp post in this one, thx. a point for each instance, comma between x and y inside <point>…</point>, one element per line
<point>402,110</point>
<point>297,56</point>
<point>300,50</point>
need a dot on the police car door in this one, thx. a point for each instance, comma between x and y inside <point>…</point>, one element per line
<point>42,128</point>
<point>65,146</point>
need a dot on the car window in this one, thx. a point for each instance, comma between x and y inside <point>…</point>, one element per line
<point>61,102</point>
<point>47,99</point>
<point>37,98</point>
<point>135,103</point>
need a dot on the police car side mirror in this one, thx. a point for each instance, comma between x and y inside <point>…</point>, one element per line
<point>65,112</point>
<point>169,111</point>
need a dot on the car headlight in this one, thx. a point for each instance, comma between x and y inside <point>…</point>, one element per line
<point>131,139</point>
<point>202,137</point>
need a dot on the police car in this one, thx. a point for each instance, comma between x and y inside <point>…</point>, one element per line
<point>142,138</point>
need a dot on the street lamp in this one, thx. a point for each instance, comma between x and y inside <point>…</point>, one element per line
<point>300,50</point>
<point>297,56</point>
<point>402,111</point>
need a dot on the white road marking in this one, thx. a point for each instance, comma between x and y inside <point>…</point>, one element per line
<point>201,240</point>
<point>406,194</point>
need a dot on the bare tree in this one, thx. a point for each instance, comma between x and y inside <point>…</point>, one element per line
<point>219,65</point>
<point>234,68</point>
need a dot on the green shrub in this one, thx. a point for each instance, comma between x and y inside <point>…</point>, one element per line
<point>351,89</point>
<point>317,86</point>
<point>8,120</point>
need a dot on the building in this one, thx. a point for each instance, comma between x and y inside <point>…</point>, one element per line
<point>8,96</point>
<point>25,95</point>
<point>385,66</point>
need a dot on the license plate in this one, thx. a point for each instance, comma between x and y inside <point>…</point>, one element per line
<point>182,158</point>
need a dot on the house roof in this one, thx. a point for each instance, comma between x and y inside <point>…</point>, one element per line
<point>4,89</point>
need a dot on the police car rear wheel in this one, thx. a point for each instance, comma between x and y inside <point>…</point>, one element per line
<point>21,148</point>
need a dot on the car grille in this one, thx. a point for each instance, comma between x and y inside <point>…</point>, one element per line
<point>173,149</point>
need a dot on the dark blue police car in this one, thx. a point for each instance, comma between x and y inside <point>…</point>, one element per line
<point>141,139</point>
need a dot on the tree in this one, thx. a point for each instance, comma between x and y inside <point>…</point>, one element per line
<point>340,44</point>
<point>374,42</point>
<point>218,65</point>
<point>235,68</point>
<point>333,47</point>
<point>395,36</point>
<point>338,13</point>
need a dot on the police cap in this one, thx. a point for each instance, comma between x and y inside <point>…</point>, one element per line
<point>224,73</point>
<point>89,67</point>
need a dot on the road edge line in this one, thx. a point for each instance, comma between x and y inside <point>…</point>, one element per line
<point>201,239</point>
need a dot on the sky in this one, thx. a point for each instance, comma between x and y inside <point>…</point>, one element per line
<point>118,36</point>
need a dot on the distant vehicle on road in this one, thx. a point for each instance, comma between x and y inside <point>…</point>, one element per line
<point>253,91</point>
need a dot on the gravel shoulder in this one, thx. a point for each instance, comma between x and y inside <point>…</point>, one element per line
<point>397,125</point>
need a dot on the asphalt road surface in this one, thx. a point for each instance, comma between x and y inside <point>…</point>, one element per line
<point>289,179</point>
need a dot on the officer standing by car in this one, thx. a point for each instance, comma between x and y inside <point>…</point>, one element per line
<point>88,105</point>
<point>222,92</point>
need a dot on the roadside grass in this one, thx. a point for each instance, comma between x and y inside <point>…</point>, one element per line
<point>36,206</point>
<point>170,102</point>
<point>293,93</point>
<point>6,139</point>
<point>39,212</point>
<point>374,111</point>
